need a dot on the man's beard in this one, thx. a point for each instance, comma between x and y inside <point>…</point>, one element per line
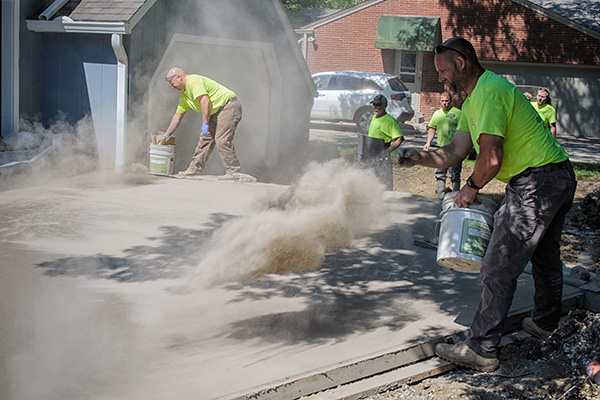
<point>459,80</point>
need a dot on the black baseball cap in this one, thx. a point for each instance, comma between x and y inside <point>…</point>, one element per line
<point>379,99</point>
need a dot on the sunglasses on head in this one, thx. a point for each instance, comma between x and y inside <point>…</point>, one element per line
<point>440,48</point>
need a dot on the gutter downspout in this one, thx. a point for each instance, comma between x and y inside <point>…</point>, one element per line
<point>305,45</point>
<point>53,9</point>
<point>122,63</point>
<point>10,67</point>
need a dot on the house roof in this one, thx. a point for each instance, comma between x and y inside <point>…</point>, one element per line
<point>309,16</point>
<point>106,10</point>
<point>337,15</point>
<point>584,12</point>
<point>90,16</point>
<point>577,14</point>
<point>98,10</point>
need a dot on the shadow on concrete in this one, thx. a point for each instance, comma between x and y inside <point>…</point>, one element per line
<point>359,290</point>
<point>175,249</point>
<point>384,281</point>
<point>581,149</point>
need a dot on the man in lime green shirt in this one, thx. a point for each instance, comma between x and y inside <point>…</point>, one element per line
<point>221,112</point>
<point>543,107</point>
<point>514,146</point>
<point>384,126</point>
<point>443,123</point>
<point>384,137</point>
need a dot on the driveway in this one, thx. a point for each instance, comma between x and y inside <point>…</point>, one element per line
<point>103,294</point>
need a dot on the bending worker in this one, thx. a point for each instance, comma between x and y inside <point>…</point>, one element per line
<point>508,135</point>
<point>221,113</point>
<point>443,123</point>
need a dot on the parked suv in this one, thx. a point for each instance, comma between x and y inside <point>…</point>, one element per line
<point>346,96</point>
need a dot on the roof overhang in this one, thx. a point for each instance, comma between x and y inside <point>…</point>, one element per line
<point>552,15</point>
<point>309,29</point>
<point>66,25</point>
<point>408,33</point>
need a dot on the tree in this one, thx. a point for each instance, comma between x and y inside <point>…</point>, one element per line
<point>296,6</point>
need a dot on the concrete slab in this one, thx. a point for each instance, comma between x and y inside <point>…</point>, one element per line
<point>101,294</point>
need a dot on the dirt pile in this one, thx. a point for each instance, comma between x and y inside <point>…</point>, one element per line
<point>529,370</point>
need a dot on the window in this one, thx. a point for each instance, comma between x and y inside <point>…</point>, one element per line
<point>397,85</point>
<point>408,66</point>
<point>321,82</point>
<point>346,83</point>
<point>370,85</point>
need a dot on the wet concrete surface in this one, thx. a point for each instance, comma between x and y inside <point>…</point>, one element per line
<point>100,293</point>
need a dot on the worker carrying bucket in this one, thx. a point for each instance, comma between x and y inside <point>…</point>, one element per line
<point>514,146</point>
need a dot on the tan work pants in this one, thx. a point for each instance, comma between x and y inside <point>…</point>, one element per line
<point>221,129</point>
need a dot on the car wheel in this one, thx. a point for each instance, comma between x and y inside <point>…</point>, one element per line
<point>362,118</point>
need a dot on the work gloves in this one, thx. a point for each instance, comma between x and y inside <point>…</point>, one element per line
<point>408,157</point>
<point>205,129</point>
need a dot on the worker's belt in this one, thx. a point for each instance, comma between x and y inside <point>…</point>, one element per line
<point>548,167</point>
<point>230,100</point>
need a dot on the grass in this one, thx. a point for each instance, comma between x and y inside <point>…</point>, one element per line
<point>586,170</point>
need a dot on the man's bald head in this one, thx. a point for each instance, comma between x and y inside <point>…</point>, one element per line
<point>176,78</point>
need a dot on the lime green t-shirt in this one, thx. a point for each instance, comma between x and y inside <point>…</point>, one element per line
<point>196,86</point>
<point>445,123</point>
<point>385,128</point>
<point>547,112</point>
<point>497,107</point>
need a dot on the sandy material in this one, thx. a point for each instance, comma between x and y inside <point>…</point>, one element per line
<point>331,205</point>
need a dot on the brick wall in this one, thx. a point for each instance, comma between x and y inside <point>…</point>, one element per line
<point>500,30</point>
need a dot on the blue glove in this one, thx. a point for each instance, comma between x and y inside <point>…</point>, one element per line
<point>408,157</point>
<point>205,129</point>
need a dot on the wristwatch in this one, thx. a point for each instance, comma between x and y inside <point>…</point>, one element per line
<point>472,184</point>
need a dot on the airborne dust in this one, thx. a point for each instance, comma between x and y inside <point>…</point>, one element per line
<point>330,205</point>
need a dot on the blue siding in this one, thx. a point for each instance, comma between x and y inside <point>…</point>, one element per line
<point>64,91</point>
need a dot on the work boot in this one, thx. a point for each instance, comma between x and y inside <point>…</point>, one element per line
<point>226,177</point>
<point>440,189</point>
<point>455,186</point>
<point>240,177</point>
<point>534,330</point>
<point>461,354</point>
<point>192,170</point>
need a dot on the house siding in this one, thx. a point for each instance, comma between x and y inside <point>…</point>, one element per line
<point>500,30</point>
<point>65,93</point>
<point>29,66</point>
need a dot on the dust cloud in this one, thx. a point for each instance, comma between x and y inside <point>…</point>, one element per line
<point>331,204</point>
<point>38,155</point>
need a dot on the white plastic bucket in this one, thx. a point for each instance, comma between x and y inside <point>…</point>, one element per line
<point>162,159</point>
<point>465,233</point>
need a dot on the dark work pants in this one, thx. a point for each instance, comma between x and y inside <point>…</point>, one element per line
<point>527,226</point>
<point>455,170</point>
